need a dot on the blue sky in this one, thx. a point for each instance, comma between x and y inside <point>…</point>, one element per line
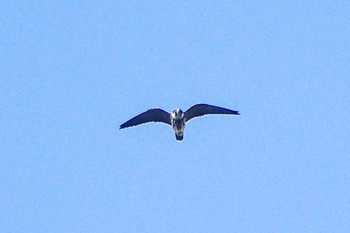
<point>73,71</point>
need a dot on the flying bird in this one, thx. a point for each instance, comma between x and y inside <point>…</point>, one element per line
<point>176,118</point>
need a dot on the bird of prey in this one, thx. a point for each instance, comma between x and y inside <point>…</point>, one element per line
<point>176,118</point>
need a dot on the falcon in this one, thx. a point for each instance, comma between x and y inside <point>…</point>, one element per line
<point>176,118</point>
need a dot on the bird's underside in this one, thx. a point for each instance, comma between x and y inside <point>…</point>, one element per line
<point>176,118</point>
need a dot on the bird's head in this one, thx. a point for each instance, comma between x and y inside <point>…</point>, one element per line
<point>177,114</point>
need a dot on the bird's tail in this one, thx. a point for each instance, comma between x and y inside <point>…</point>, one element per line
<point>179,137</point>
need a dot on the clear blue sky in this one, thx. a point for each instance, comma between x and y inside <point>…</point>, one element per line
<point>72,71</point>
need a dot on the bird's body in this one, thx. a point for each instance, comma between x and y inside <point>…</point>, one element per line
<point>176,118</point>
<point>178,123</point>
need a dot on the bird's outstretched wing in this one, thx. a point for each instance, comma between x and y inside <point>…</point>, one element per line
<point>155,114</point>
<point>203,109</point>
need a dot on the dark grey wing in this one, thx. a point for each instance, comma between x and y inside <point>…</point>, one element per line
<point>155,114</point>
<point>203,109</point>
